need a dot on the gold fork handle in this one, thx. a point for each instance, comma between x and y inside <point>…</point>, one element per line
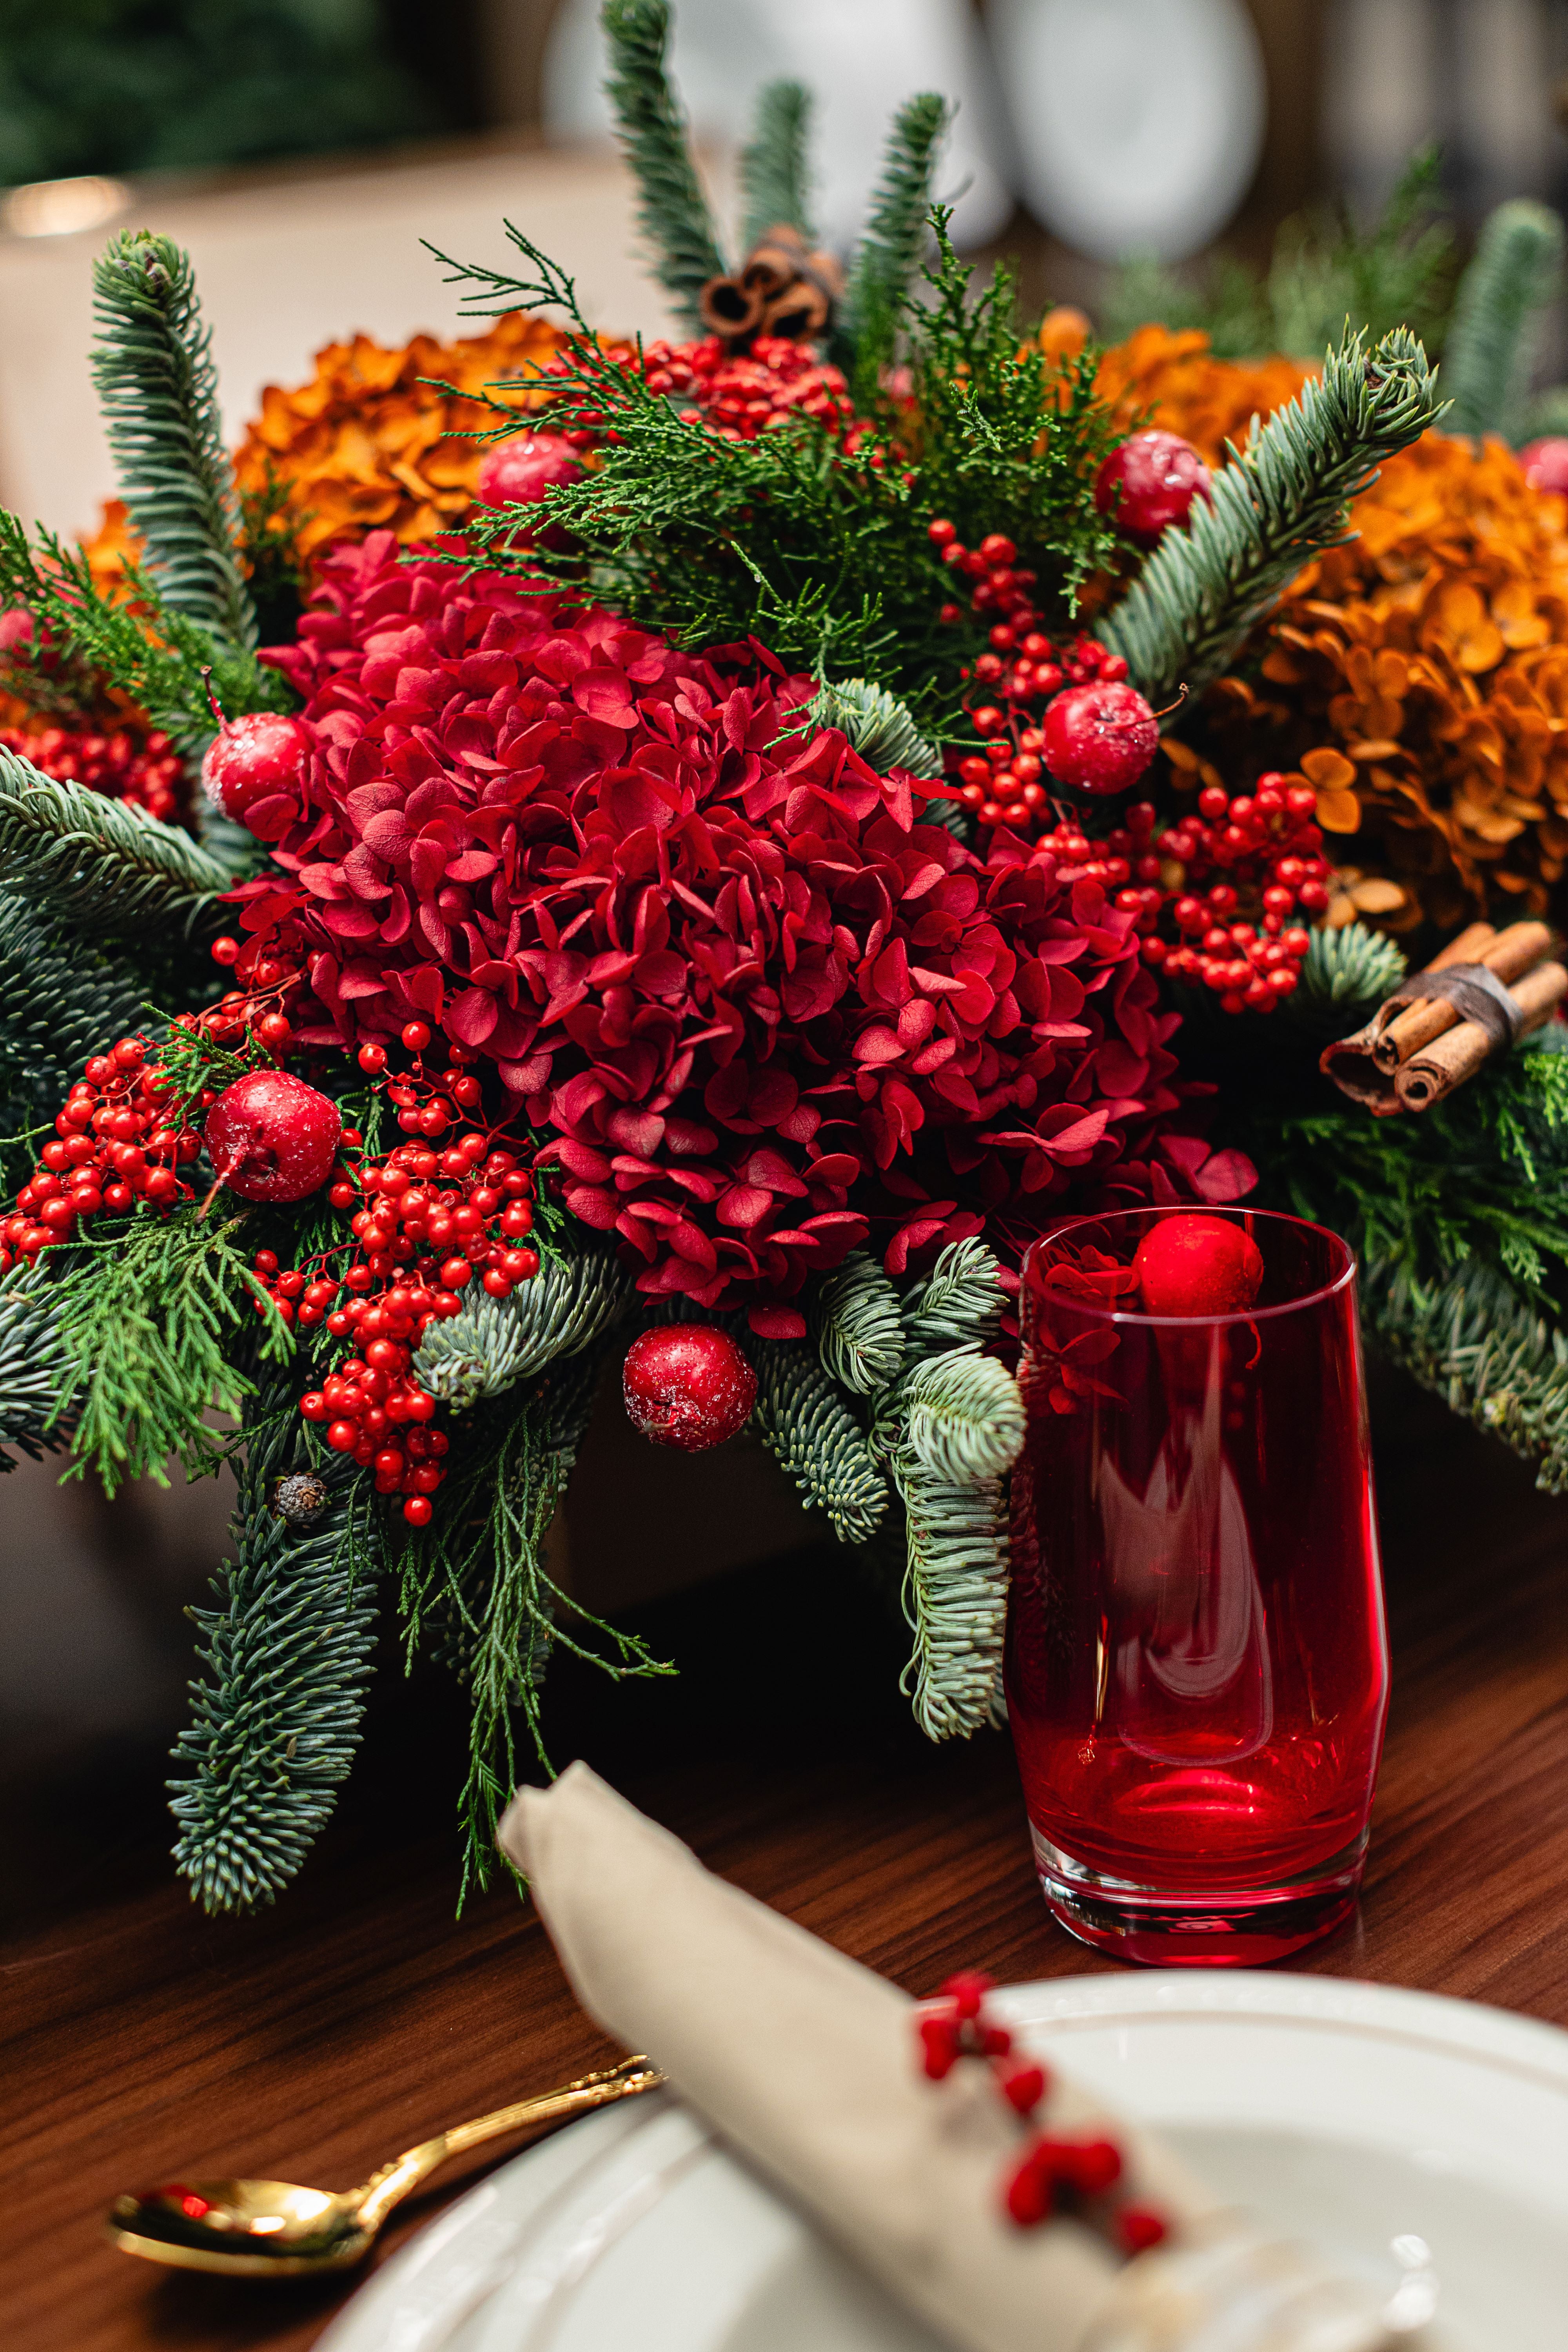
<point>386,2188</point>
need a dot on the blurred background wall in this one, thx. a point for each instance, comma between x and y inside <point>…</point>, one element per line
<point>301,149</point>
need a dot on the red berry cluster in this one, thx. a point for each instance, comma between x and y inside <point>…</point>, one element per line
<point>741,398</point>
<point>1052,2173</point>
<point>260,1008</point>
<point>427,1223</point>
<point>1033,674</point>
<point>1237,875</point>
<point>123,765</point>
<point>428,1102</point>
<point>114,1144</point>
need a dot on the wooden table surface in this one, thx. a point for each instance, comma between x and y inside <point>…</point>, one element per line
<point>137,2039</point>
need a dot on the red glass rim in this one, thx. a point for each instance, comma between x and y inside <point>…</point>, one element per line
<point>1090,1307</point>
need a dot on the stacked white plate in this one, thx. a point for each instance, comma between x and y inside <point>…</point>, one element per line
<point>1422,2143</point>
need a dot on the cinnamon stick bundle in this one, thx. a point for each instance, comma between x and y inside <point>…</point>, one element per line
<point>781,288</point>
<point>1485,990</point>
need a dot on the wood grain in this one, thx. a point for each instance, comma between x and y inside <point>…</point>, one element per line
<point>137,2039</point>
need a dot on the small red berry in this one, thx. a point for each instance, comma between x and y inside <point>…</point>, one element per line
<point>1150,483</point>
<point>416,1510</point>
<point>1139,2229</point>
<point>1100,738</point>
<point>687,1385</point>
<point>416,1036</point>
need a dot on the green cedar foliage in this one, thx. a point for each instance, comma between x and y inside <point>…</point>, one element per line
<point>33,1366</point>
<point>150,1309</point>
<point>894,243</point>
<point>102,865</point>
<point>673,215</point>
<point>1281,500</point>
<point>774,174</point>
<point>1480,1180</point>
<point>286,1657</point>
<point>825,560</point>
<point>157,388</point>
<point>154,654</point>
<point>1516,270</point>
<point>475,1583</point>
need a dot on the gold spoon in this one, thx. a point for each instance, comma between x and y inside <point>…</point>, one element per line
<point>273,2229</point>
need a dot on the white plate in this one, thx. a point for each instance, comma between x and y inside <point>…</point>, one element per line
<point>1422,2143</point>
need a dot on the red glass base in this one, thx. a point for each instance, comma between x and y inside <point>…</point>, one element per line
<point>1249,1927</point>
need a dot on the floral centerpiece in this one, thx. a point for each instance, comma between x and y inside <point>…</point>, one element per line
<point>694,854</point>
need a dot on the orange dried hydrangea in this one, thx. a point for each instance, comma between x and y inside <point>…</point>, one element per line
<point>368,445</point>
<point>1428,660</point>
<point>1174,381</point>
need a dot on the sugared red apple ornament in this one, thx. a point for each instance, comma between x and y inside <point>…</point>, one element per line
<point>1198,1266</point>
<point>272,1138</point>
<point>259,757</point>
<point>1100,738</point>
<point>1545,464</point>
<point>1149,484</point>
<point>518,472</point>
<point>687,1385</point>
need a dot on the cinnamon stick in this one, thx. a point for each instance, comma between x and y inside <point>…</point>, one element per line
<point>1433,1073</point>
<point>1509,953</point>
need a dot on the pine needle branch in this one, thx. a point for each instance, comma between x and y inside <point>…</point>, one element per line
<point>60,1000</point>
<point>955,1596</point>
<point>1514,273</point>
<point>157,387</point>
<point>963,1417</point>
<point>672,212</point>
<point>894,244</point>
<point>286,1656</point>
<point>100,863</point>
<point>773,168</point>
<point>1345,976</point>
<point>1279,501</point>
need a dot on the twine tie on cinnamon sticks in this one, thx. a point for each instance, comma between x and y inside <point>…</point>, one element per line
<point>781,288</point>
<point>1474,1000</point>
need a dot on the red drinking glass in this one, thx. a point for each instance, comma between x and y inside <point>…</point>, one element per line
<point>1197,1666</point>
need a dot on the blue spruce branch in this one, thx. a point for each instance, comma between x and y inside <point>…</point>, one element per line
<point>276,1716</point>
<point>1281,500</point>
<point>494,1343</point>
<point>33,1368</point>
<point>805,1424</point>
<point>858,1328</point>
<point>894,243</point>
<point>1486,1351</point>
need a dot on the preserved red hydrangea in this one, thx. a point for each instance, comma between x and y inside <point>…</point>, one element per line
<point>758,1011</point>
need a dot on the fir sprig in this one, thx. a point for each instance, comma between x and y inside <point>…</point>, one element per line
<point>61,1000</point>
<point>672,211</point>
<point>894,242</point>
<point>1279,501</point>
<point>1516,269</point>
<point>157,389</point>
<point>34,1365</point>
<point>477,1583</point>
<point>286,1658</point>
<point>156,655</point>
<point>773,168</point>
<point>100,864</point>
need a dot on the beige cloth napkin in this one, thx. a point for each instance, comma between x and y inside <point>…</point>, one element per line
<point>809,2064</point>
